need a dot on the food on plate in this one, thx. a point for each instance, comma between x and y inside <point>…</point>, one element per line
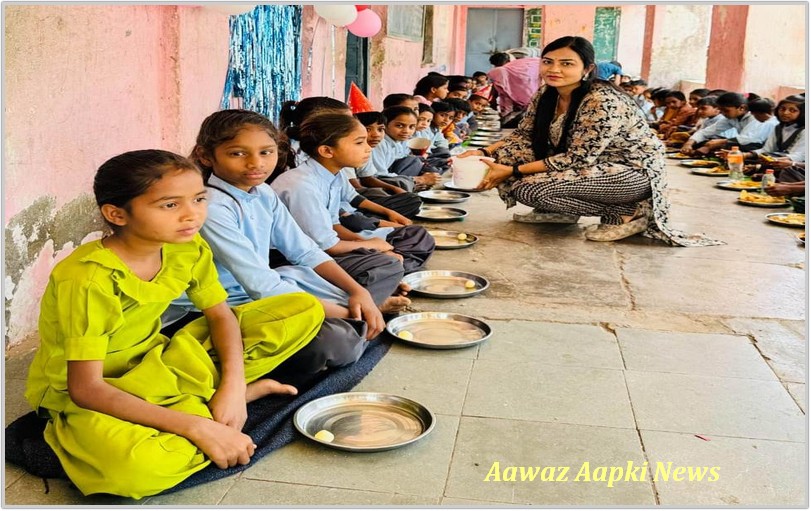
<point>760,198</point>
<point>790,218</point>
<point>717,170</point>
<point>743,184</point>
<point>469,284</point>
<point>461,236</point>
<point>406,335</point>
<point>325,436</point>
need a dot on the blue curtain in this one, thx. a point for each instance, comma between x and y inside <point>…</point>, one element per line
<point>264,63</point>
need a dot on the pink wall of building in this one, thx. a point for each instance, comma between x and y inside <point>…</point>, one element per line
<point>561,20</point>
<point>725,58</point>
<point>679,45</point>
<point>775,58</point>
<point>632,34</point>
<point>82,84</point>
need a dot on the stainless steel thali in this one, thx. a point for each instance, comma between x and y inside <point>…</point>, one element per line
<point>441,213</point>
<point>450,186</point>
<point>365,421</point>
<point>443,196</point>
<point>446,283</point>
<point>439,330</point>
<point>449,240</point>
<point>727,184</point>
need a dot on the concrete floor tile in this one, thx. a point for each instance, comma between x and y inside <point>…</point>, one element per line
<point>714,406</point>
<point>470,353</point>
<point>437,382</point>
<point>30,490</point>
<point>798,327</point>
<point>785,351</point>
<point>557,343</point>
<point>708,288</point>
<point>483,442</point>
<point>254,492</point>
<point>15,404</point>
<point>417,469</point>
<point>203,494</point>
<point>799,392</point>
<point>690,353</point>
<point>470,503</point>
<point>12,473</point>
<point>541,392</point>
<point>750,472</point>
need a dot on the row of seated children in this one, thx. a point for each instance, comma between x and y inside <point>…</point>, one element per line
<point>155,337</point>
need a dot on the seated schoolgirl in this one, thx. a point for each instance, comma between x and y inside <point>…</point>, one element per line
<point>369,185</point>
<point>786,143</point>
<point>458,91</point>
<point>237,149</point>
<point>401,100</point>
<point>424,118</point>
<point>431,87</point>
<point>313,193</point>
<point>393,154</point>
<point>130,411</point>
<point>461,129</point>
<point>477,105</point>
<point>293,113</point>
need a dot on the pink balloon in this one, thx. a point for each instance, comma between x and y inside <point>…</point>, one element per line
<point>367,24</point>
<point>362,7</point>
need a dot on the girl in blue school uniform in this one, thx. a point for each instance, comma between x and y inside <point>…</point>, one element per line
<point>313,193</point>
<point>237,150</point>
<point>130,411</point>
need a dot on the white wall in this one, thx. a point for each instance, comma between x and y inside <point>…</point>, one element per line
<point>775,48</point>
<point>680,41</point>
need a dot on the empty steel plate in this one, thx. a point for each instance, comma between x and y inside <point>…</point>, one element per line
<point>439,330</point>
<point>440,213</point>
<point>364,421</point>
<point>446,284</point>
<point>443,196</point>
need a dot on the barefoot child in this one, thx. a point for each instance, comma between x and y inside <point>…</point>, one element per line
<point>132,412</point>
<point>313,193</point>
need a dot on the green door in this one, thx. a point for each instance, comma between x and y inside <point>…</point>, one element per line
<point>606,32</point>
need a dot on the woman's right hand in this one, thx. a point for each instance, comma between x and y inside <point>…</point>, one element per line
<point>470,152</point>
<point>224,445</point>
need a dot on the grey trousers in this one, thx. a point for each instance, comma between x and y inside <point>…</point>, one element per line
<point>378,273</point>
<point>404,182</point>
<point>413,243</point>
<point>340,342</point>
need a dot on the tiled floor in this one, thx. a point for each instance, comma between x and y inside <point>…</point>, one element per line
<point>631,356</point>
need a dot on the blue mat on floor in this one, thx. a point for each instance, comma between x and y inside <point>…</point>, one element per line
<point>269,424</point>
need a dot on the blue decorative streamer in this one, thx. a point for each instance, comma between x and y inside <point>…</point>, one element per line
<point>264,62</point>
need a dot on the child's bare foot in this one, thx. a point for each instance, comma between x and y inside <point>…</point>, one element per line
<point>266,387</point>
<point>403,289</point>
<point>394,304</point>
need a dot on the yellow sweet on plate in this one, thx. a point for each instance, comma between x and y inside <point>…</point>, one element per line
<point>325,436</point>
<point>749,185</point>
<point>791,219</point>
<point>405,335</point>
<point>461,236</point>
<point>469,284</point>
<point>760,198</point>
<point>717,170</point>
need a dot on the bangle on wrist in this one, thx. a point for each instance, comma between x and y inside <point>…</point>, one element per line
<point>517,173</point>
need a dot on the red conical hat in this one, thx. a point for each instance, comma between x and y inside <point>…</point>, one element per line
<point>357,101</point>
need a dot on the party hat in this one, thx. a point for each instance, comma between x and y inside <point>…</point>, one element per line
<point>357,101</point>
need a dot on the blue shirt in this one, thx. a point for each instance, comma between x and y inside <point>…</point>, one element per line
<point>313,195</point>
<point>386,153</point>
<point>796,151</point>
<point>605,70</point>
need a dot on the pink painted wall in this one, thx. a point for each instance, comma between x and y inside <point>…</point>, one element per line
<point>725,58</point>
<point>323,69</point>
<point>83,83</point>
<point>679,45</point>
<point>561,20</point>
<point>631,37</point>
<point>775,57</point>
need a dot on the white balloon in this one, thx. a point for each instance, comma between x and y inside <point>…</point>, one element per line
<point>338,15</point>
<point>232,9</point>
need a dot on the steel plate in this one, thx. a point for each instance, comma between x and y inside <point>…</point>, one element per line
<point>441,213</point>
<point>449,240</point>
<point>439,330</point>
<point>445,283</point>
<point>443,196</point>
<point>365,421</point>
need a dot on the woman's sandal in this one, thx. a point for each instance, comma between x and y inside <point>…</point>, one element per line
<point>606,232</point>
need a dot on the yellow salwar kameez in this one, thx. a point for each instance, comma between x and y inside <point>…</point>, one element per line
<point>95,308</point>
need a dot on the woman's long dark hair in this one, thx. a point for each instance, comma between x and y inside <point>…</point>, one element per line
<point>800,102</point>
<point>545,113</point>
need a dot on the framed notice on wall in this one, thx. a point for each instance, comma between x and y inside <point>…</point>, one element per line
<point>405,21</point>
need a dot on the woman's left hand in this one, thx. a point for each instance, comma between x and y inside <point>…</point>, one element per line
<point>495,175</point>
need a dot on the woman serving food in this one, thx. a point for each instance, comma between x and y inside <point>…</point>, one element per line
<point>584,149</point>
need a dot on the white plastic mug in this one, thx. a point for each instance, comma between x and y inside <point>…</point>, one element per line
<point>468,172</point>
